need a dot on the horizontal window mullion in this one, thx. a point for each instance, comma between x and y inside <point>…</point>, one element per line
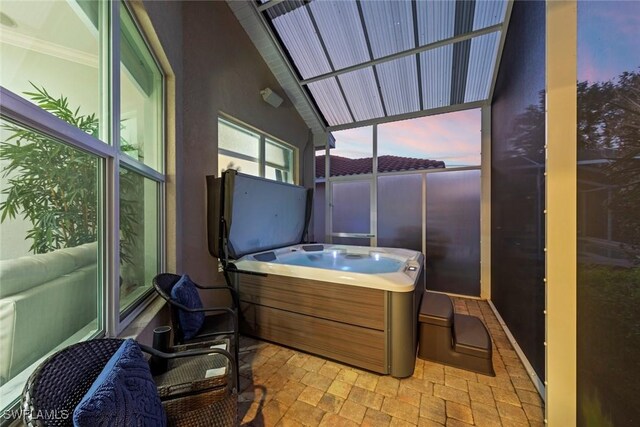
<point>142,169</point>
<point>276,166</point>
<point>238,155</point>
<point>17,109</point>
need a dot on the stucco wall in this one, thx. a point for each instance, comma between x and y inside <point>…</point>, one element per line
<point>167,22</point>
<point>223,72</point>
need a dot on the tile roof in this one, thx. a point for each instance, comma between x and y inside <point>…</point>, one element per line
<point>345,166</point>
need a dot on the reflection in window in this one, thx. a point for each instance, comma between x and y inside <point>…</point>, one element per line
<point>278,162</point>
<point>49,263</point>
<point>139,230</point>
<point>608,205</point>
<point>55,50</point>
<point>240,148</point>
<point>140,97</point>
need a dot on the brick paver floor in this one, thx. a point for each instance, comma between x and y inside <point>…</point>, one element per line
<point>283,387</point>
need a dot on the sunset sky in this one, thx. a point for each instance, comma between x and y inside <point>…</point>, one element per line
<point>599,48</point>
<point>453,138</point>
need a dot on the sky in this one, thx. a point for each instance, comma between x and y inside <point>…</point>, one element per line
<point>607,39</point>
<point>452,137</point>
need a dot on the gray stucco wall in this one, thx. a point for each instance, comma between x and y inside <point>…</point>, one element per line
<point>223,72</point>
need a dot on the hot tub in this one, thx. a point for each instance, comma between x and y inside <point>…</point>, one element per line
<point>354,304</point>
<point>357,305</point>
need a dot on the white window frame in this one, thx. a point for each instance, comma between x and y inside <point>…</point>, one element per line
<point>17,109</point>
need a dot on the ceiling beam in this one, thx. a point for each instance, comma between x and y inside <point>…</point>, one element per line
<point>430,46</point>
<point>503,38</point>
<point>416,41</point>
<point>412,115</point>
<point>269,5</point>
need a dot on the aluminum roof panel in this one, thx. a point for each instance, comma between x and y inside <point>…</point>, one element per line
<point>341,30</point>
<point>389,25</point>
<point>399,85</point>
<point>329,98</point>
<point>482,60</point>
<point>436,65</point>
<point>362,94</point>
<point>296,31</point>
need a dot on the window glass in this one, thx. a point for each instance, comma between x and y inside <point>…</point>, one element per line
<point>445,140</point>
<point>608,203</point>
<point>351,208</point>
<point>139,236</point>
<point>278,162</point>
<point>51,57</point>
<point>49,258</point>
<point>353,152</point>
<point>140,97</point>
<point>238,149</point>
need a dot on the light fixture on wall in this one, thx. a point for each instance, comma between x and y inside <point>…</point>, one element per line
<point>271,97</point>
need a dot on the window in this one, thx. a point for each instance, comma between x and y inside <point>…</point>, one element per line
<point>141,124</point>
<point>139,230</point>
<point>140,97</point>
<point>254,153</point>
<point>49,250</point>
<point>56,203</point>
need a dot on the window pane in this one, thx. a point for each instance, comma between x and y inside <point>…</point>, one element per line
<point>51,50</point>
<point>400,211</point>
<point>241,165</point>
<point>353,152</point>
<point>238,149</point>
<point>453,232</point>
<point>139,225</point>
<point>608,203</point>
<point>351,208</point>
<point>140,97</point>
<point>446,140</point>
<point>49,262</point>
<point>279,162</point>
<point>239,140</point>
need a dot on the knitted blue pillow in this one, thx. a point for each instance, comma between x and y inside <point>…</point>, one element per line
<point>186,293</point>
<point>124,394</point>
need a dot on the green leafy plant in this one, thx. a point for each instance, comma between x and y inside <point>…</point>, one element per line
<point>55,187</point>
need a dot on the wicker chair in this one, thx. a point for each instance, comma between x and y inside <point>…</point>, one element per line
<point>56,387</point>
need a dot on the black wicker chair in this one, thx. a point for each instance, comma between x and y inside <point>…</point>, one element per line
<point>56,387</point>
<point>222,322</point>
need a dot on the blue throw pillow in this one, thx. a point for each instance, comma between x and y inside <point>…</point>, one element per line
<point>186,293</point>
<point>124,394</point>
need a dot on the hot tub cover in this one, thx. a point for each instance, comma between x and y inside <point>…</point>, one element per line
<point>259,214</point>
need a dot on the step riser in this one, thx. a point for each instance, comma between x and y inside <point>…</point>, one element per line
<point>437,343</point>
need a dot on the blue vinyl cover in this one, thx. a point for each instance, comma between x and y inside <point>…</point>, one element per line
<point>265,215</point>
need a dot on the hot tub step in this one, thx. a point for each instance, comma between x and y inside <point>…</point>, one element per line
<point>453,339</point>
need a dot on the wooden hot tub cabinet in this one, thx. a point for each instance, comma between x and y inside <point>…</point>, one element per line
<point>369,328</point>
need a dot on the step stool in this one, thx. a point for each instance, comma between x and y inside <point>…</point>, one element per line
<point>453,339</point>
